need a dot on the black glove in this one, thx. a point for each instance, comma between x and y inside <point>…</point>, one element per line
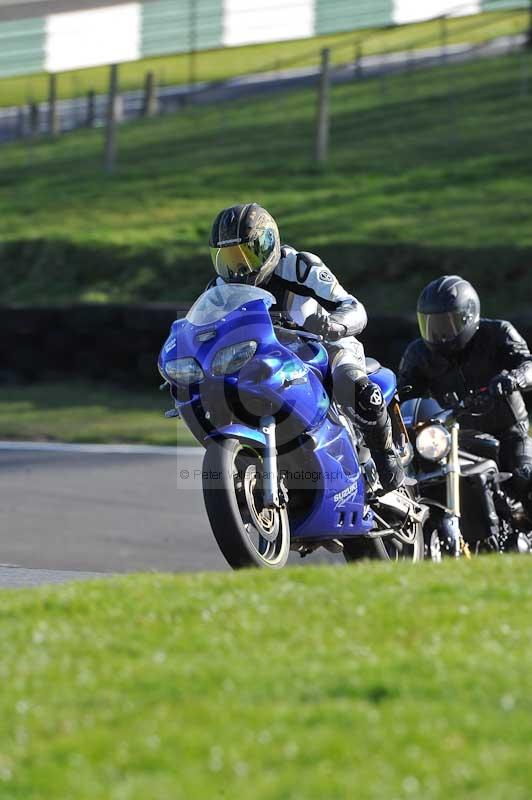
<point>325,326</point>
<point>502,385</point>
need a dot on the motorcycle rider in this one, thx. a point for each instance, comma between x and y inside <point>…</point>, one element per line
<point>245,248</point>
<point>460,352</point>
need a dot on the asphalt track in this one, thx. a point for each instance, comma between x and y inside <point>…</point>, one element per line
<point>81,512</point>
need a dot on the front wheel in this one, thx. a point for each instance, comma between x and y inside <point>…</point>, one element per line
<point>248,534</point>
<point>407,544</point>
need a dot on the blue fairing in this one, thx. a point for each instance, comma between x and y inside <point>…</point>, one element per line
<point>339,508</point>
<point>387,381</point>
<point>240,432</point>
<point>284,379</point>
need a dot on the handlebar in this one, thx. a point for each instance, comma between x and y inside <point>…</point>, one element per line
<point>298,333</point>
<point>476,403</point>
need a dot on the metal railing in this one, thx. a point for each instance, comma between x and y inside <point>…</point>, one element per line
<point>350,61</point>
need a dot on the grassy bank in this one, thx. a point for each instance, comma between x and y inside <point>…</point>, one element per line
<point>372,682</point>
<point>225,63</point>
<point>429,172</point>
<point>85,412</point>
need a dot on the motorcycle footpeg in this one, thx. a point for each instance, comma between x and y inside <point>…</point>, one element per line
<point>403,506</point>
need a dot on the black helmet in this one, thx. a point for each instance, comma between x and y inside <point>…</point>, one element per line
<point>245,245</point>
<point>448,313</point>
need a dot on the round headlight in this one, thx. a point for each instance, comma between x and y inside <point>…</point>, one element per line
<point>433,442</point>
<point>183,371</point>
<point>231,359</point>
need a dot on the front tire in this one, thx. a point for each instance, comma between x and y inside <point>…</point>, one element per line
<point>410,546</point>
<point>248,534</point>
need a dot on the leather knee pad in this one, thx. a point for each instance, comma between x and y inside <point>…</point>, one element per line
<point>353,390</point>
<point>370,405</point>
<point>371,416</point>
<point>348,381</point>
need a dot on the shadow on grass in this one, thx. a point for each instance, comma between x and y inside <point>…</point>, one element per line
<point>387,275</point>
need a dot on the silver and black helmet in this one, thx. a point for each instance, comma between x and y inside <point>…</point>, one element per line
<point>244,244</point>
<point>448,313</point>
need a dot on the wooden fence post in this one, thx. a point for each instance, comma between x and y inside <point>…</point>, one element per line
<point>90,117</point>
<point>21,123</point>
<point>443,37</point>
<point>149,106</point>
<point>322,126</point>
<point>110,127</point>
<point>193,44</point>
<point>53,117</point>
<point>34,120</point>
<point>358,61</point>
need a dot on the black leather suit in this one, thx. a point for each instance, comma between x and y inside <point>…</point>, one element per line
<point>495,347</point>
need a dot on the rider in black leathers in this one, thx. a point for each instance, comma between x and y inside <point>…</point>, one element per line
<point>459,352</point>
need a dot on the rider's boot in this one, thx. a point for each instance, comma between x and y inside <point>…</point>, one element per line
<point>364,403</point>
<point>390,469</point>
<point>387,461</point>
<point>371,416</point>
<point>522,482</point>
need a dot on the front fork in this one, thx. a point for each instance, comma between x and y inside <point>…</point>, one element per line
<point>450,528</point>
<point>270,479</point>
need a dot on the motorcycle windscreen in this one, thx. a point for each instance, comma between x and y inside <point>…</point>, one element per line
<point>220,301</point>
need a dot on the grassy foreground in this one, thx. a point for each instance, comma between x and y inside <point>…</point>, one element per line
<point>228,62</point>
<point>375,682</point>
<point>429,172</point>
<point>86,412</point>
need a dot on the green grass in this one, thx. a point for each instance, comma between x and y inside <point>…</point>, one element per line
<point>374,682</point>
<point>429,172</point>
<point>85,412</point>
<point>228,62</point>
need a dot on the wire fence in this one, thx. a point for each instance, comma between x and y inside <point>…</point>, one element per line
<point>350,60</point>
<point>442,126</point>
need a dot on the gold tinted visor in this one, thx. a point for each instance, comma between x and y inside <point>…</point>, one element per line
<point>239,261</point>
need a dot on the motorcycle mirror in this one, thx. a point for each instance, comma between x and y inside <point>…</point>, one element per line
<point>451,399</point>
<point>405,393</point>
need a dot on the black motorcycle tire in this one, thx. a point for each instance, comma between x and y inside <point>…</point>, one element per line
<point>386,548</point>
<point>231,491</point>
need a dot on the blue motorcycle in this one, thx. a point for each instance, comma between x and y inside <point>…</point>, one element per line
<point>284,469</point>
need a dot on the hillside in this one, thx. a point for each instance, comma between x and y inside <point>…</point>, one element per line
<point>429,172</point>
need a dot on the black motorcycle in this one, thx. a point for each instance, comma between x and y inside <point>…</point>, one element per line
<point>473,507</point>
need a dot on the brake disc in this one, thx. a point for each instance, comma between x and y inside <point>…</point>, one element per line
<point>266,521</point>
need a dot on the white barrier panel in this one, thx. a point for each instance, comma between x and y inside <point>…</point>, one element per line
<point>79,39</point>
<point>417,10</point>
<point>267,21</point>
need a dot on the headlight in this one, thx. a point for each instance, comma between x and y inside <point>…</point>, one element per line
<point>433,443</point>
<point>292,373</point>
<point>184,371</point>
<point>232,358</point>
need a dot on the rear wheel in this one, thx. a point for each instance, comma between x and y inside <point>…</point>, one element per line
<point>248,534</point>
<point>405,544</point>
